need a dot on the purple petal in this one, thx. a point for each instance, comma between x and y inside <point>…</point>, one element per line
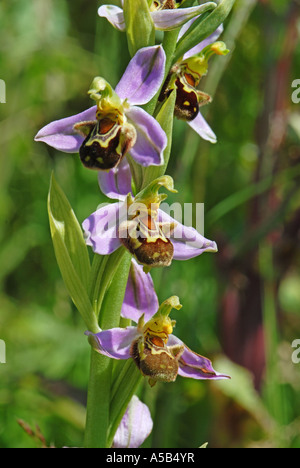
<point>114,15</point>
<point>200,126</point>
<point>187,241</point>
<point>172,19</point>
<point>61,134</point>
<point>114,343</point>
<point>140,296</point>
<point>116,183</point>
<point>194,366</point>
<point>209,40</point>
<point>151,139</point>
<point>135,426</point>
<point>143,76</point>
<point>101,230</point>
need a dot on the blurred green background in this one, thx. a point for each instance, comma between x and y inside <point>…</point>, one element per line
<point>241,306</point>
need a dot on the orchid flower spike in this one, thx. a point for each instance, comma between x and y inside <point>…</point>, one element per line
<point>159,355</point>
<point>115,126</point>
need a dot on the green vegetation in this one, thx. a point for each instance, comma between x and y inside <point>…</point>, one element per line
<point>243,303</point>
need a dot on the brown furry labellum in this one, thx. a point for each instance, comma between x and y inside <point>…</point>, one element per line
<point>106,143</point>
<point>145,239</point>
<point>186,106</point>
<point>188,98</point>
<point>155,359</point>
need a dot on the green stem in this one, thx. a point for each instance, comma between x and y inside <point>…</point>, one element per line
<point>164,116</point>
<point>112,276</point>
<point>169,46</point>
<point>97,419</point>
<point>106,274</point>
<point>114,295</point>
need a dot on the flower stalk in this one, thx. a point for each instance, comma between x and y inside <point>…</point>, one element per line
<point>109,307</point>
<point>97,415</point>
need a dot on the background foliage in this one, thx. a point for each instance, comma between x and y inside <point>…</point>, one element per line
<point>241,306</point>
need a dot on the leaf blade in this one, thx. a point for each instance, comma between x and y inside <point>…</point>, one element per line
<point>74,268</point>
<point>203,27</point>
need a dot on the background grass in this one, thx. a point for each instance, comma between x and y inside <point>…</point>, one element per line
<point>241,306</point>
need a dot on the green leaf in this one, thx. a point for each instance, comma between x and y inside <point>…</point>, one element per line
<point>108,275</point>
<point>203,27</point>
<point>71,252</point>
<point>70,230</point>
<point>139,25</point>
<point>165,118</point>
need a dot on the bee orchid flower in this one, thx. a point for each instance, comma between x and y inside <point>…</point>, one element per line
<point>137,223</point>
<point>159,355</point>
<point>106,132</point>
<point>185,76</point>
